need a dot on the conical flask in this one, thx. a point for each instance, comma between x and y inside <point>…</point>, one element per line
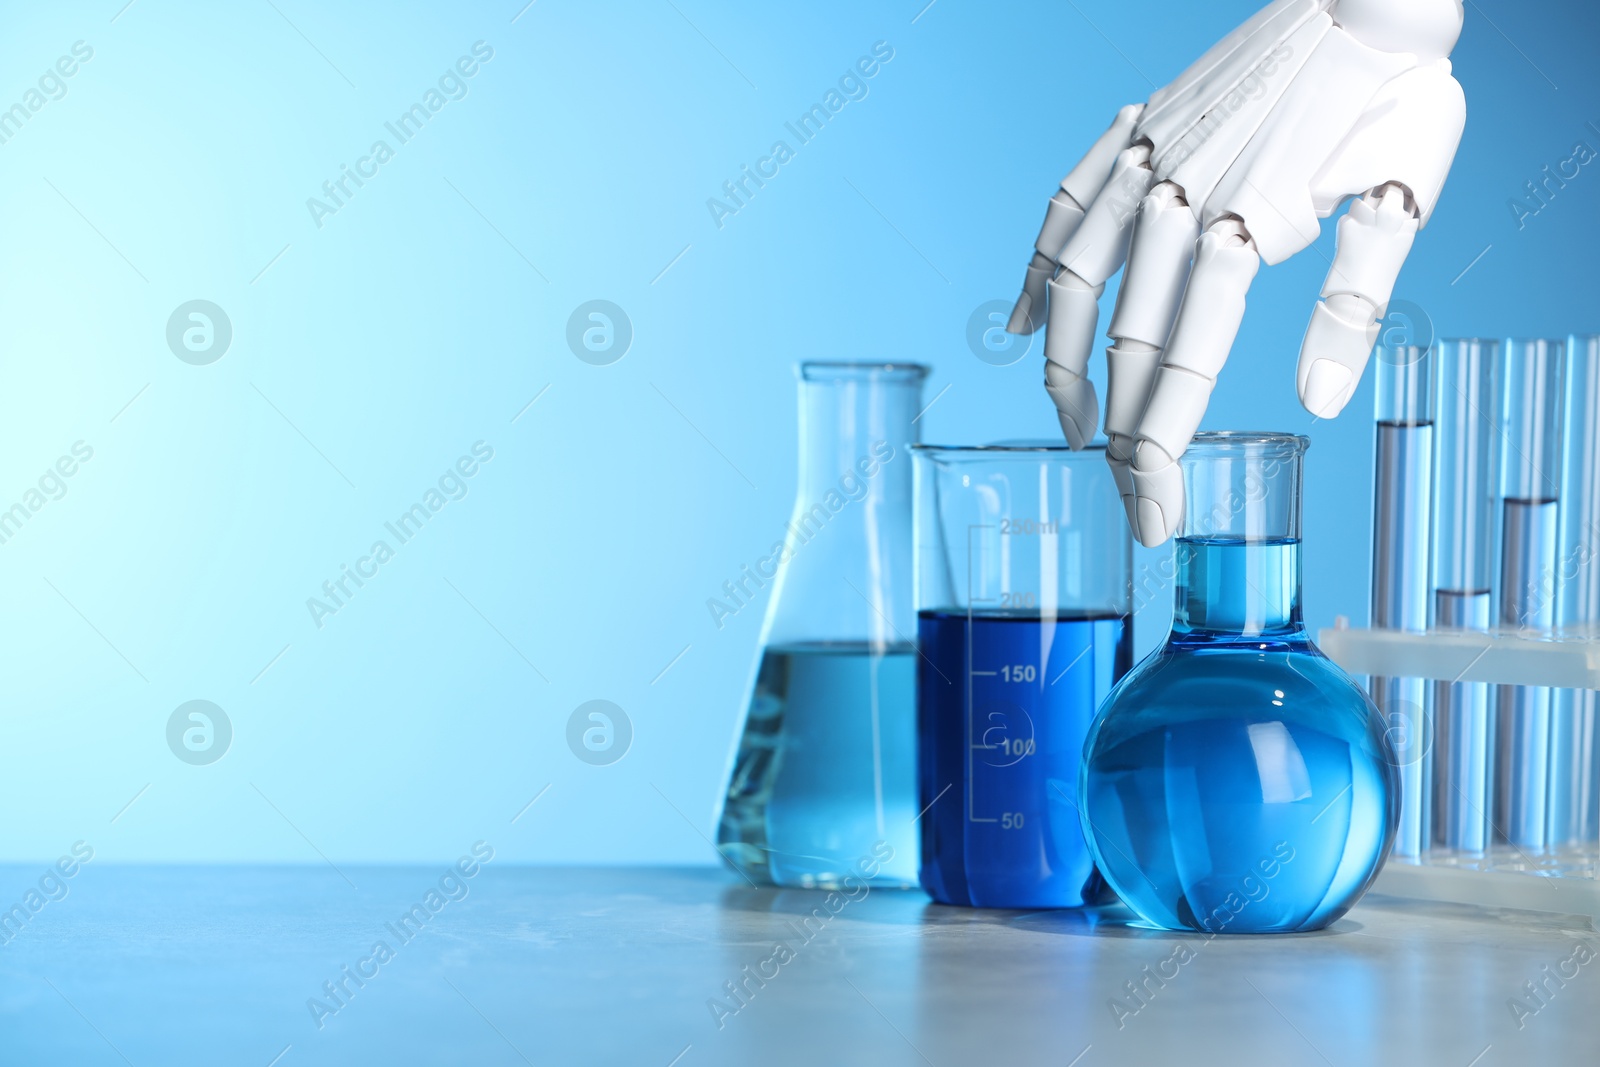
<point>823,783</point>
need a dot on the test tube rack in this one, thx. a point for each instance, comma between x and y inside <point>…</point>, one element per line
<point>1565,881</point>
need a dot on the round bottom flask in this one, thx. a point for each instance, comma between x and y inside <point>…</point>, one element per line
<point>1237,781</point>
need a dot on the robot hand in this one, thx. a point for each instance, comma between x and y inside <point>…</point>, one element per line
<point>1307,105</point>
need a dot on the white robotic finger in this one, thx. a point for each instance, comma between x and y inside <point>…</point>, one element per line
<point>1130,375</point>
<point>1061,219</point>
<point>1027,315</point>
<point>1338,343</point>
<point>1074,310</point>
<point>1092,254</point>
<point>1374,240</point>
<point>1083,182</point>
<point>1097,248</point>
<point>1158,268</point>
<point>1077,407</point>
<point>1225,265</point>
<point>1065,213</point>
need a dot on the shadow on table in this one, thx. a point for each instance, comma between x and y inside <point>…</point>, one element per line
<point>1117,920</point>
<point>911,907</point>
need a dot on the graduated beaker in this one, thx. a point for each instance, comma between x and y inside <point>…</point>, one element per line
<point>1024,595</point>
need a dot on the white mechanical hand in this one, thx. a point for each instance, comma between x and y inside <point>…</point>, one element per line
<point>1309,104</point>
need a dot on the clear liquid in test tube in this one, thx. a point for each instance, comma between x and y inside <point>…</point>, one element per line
<point>1530,492</point>
<point>1575,739</point>
<point>1466,483</point>
<point>1403,488</point>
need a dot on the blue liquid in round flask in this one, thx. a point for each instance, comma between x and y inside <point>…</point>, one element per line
<point>1237,781</point>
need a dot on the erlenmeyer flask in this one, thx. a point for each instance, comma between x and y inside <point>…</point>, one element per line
<point>823,781</point>
<point>1237,781</point>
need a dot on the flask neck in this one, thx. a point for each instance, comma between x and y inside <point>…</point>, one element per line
<point>1237,589</point>
<point>853,435</point>
<point>845,576</point>
<point>1238,555</point>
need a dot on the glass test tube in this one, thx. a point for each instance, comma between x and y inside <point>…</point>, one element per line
<point>1465,485</point>
<point>1530,483</point>
<point>1575,740</point>
<point>1403,487</point>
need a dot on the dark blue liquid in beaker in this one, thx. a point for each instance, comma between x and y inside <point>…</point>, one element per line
<point>1238,781</point>
<point>1004,701</point>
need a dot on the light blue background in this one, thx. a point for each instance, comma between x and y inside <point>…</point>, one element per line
<point>429,311</point>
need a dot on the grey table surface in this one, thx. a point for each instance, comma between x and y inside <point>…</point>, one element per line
<point>550,965</point>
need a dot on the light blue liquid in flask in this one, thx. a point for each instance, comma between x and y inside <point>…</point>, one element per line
<point>1237,781</point>
<point>822,785</point>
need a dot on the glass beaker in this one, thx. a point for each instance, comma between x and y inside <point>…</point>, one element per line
<point>1237,781</point>
<point>1024,591</point>
<point>823,778</point>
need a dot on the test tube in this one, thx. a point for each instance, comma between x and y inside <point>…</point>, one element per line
<point>1465,485</point>
<point>1575,757</point>
<point>1403,487</point>
<point>1530,489</point>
